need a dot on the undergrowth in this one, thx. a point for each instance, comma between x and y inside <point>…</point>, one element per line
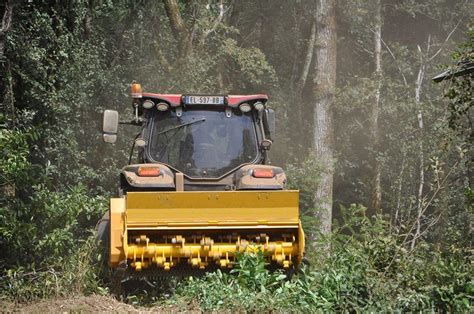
<point>76,274</point>
<point>370,270</point>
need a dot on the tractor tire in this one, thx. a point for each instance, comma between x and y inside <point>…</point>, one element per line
<point>103,238</point>
<point>103,230</point>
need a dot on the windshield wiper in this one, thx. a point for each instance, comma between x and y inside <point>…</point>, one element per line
<point>181,125</point>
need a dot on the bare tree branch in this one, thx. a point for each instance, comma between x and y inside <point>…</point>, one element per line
<point>216,23</point>
<point>307,62</point>
<point>394,58</point>
<point>421,156</point>
<point>399,188</point>
<point>426,206</point>
<point>445,41</point>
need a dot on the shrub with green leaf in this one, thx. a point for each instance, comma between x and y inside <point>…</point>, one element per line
<point>49,244</point>
<point>369,269</point>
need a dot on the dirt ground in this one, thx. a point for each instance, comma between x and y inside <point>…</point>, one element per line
<point>81,304</point>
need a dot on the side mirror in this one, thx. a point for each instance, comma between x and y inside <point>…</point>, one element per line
<point>269,123</point>
<point>110,126</point>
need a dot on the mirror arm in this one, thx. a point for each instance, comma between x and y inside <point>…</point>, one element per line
<point>135,105</point>
<point>269,122</point>
<point>133,147</point>
<point>134,122</point>
<point>265,143</point>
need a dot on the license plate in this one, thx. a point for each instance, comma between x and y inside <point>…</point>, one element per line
<point>204,100</point>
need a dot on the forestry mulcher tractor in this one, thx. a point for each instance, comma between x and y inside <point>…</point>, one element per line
<point>202,192</point>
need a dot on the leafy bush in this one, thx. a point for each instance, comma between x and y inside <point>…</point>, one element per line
<point>367,270</point>
<point>249,286</point>
<point>48,244</point>
<point>77,273</point>
<point>47,228</point>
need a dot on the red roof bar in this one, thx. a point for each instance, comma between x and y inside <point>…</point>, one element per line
<point>235,100</point>
<point>173,99</point>
<point>232,100</point>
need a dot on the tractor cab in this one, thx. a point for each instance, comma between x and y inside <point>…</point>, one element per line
<point>204,138</point>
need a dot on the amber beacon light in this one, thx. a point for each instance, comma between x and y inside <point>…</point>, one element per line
<point>136,90</point>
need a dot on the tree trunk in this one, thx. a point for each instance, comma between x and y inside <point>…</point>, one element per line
<point>178,28</point>
<point>376,188</point>
<point>307,63</point>
<point>399,191</point>
<point>323,91</point>
<point>298,113</point>
<point>421,156</point>
<point>7,104</point>
<point>6,90</point>
<point>6,24</point>
<point>88,19</point>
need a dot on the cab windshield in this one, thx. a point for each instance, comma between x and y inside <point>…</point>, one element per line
<point>203,143</point>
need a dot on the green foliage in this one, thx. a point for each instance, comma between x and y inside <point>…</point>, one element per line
<point>369,269</point>
<point>14,155</point>
<point>305,177</point>
<point>460,96</point>
<point>249,286</point>
<point>76,273</point>
<point>48,228</point>
<point>251,63</point>
<point>48,246</point>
